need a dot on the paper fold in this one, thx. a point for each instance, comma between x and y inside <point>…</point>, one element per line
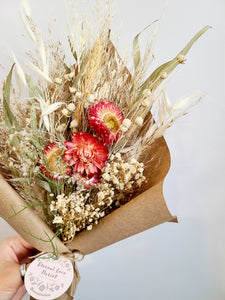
<point>145,211</point>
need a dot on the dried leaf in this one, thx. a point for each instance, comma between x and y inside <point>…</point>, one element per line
<point>44,184</point>
<point>40,72</point>
<point>9,117</point>
<point>19,70</point>
<point>136,49</point>
<point>154,80</point>
<point>34,91</point>
<point>27,27</point>
<point>51,108</point>
<point>33,117</point>
<point>6,91</point>
<point>73,51</point>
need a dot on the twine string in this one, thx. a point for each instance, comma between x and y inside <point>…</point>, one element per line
<point>74,256</point>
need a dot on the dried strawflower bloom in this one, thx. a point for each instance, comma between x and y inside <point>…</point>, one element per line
<point>85,153</point>
<point>58,80</point>
<point>126,123</point>
<point>145,102</point>
<point>123,128</point>
<point>65,112</point>
<point>71,75</point>
<point>61,128</point>
<point>139,121</point>
<point>53,164</point>
<point>181,58</point>
<point>71,107</point>
<point>105,120</point>
<point>90,180</point>
<point>72,90</point>
<point>163,75</point>
<point>91,98</point>
<point>74,124</point>
<point>79,95</point>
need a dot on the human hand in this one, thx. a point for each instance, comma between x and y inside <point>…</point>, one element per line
<point>14,251</point>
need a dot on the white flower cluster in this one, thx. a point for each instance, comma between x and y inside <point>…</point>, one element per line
<point>83,208</point>
<point>122,177</point>
<point>75,212</point>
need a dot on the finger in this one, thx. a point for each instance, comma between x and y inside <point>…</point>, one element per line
<point>20,293</point>
<point>23,249</point>
<point>10,279</point>
<point>16,249</point>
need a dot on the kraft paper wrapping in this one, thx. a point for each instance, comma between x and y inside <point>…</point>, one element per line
<point>143,212</point>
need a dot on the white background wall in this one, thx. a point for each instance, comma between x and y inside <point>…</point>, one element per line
<point>172,261</point>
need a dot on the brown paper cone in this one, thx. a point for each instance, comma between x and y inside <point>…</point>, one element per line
<point>145,211</point>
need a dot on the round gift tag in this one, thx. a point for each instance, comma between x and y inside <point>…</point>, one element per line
<point>47,278</point>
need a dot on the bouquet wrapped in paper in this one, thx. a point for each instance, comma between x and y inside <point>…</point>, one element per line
<point>83,158</point>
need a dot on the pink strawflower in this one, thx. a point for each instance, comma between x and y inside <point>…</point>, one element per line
<point>90,180</point>
<point>86,154</point>
<point>53,164</point>
<point>105,120</point>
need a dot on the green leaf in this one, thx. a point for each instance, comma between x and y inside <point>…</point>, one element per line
<point>154,80</point>
<point>33,117</point>
<point>6,99</point>
<point>6,90</point>
<point>15,141</point>
<point>34,91</point>
<point>9,117</point>
<point>136,49</point>
<point>20,179</point>
<point>44,184</point>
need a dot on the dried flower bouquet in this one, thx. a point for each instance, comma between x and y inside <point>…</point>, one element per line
<point>86,142</point>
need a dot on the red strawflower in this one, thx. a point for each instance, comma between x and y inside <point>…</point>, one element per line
<point>85,153</point>
<point>53,164</point>
<point>105,120</point>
